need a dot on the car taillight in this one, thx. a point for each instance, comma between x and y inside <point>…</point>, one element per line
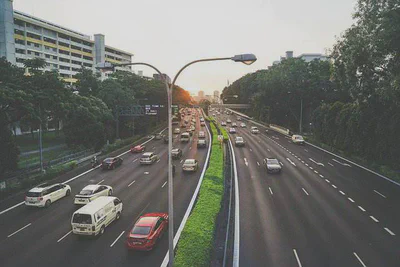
<point>40,198</point>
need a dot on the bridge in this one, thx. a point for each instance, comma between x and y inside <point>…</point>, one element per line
<point>233,106</point>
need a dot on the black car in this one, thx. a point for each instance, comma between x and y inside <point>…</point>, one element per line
<point>111,163</point>
<point>176,153</point>
<point>166,139</point>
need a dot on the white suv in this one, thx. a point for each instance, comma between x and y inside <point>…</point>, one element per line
<point>43,195</point>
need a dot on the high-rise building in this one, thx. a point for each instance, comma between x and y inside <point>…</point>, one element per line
<point>201,94</point>
<point>306,57</point>
<point>157,76</point>
<point>23,36</point>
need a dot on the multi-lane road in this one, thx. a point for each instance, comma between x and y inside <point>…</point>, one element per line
<point>42,237</point>
<point>320,211</point>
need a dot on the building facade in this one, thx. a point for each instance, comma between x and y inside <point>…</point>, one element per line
<point>307,57</point>
<point>23,36</point>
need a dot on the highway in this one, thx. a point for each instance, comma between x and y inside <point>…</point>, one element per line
<point>320,211</point>
<point>42,237</point>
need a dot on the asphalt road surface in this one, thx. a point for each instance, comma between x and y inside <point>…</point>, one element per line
<point>320,211</point>
<point>42,237</point>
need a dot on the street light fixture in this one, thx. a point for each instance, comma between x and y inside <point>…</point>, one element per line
<point>245,59</point>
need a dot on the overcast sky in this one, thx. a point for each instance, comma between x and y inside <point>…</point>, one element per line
<point>171,33</point>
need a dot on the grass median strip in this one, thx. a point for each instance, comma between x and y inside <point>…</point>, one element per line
<point>197,239</point>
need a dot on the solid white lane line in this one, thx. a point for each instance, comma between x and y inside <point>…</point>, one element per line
<point>305,192</point>
<point>341,192</point>
<point>361,208</point>
<point>117,239</point>
<point>321,176</point>
<point>270,190</point>
<point>390,232</point>
<point>100,181</point>
<point>334,186</point>
<point>330,164</point>
<point>297,258</point>
<point>134,160</point>
<point>164,184</point>
<point>358,258</point>
<point>131,183</point>
<point>344,164</point>
<point>327,181</point>
<point>351,199</point>
<point>380,194</point>
<point>258,163</point>
<point>64,236</point>
<point>374,219</point>
<point>10,235</point>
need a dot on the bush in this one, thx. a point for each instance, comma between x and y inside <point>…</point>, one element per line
<point>118,144</point>
<point>197,239</point>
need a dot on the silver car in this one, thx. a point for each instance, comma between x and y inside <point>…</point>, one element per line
<point>272,165</point>
<point>190,165</point>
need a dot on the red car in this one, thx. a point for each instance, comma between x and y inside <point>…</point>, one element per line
<point>138,149</point>
<point>147,231</point>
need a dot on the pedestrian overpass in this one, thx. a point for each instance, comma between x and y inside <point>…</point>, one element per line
<point>232,106</point>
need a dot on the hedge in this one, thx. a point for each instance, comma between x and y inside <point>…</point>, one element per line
<point>196,242</point>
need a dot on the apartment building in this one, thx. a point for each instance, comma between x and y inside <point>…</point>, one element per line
<point>23,36</point>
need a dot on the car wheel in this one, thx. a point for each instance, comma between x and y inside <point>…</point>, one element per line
<point>118,216</point>
<point>48,203</point>
<point>109,192</point>
<point>102,229</point>
<point>68,193</point>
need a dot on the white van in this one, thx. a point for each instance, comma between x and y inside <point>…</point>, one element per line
<point>185,137</point>
<point>93,218</point>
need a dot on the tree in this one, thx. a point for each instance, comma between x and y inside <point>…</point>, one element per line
<point>88,83</point>
<point>205,104</point>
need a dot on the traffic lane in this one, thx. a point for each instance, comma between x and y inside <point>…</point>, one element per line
<point>370,239</point>
<point>24,215</point>
<point>293,216</point>
<point>262,241</point>
<point>381,208</point>
<point>184,187</point>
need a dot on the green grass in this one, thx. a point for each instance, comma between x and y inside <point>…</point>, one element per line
<point>47,156</point>
<point>49,139</point>
<point>197,239</point>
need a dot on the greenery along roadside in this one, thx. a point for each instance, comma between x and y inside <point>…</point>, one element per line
<point>197,239</point>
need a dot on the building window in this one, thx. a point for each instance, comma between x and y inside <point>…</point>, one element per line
<point>63,36</point>
<point>76,62</point>
<point>76,55</point>
<point>19,22</point>
<point>64,68</point>
<point>54,57</point>
<point>16,31</point>
<point>63,44</point>
<point>34,36</point>
<point>18,41</point>
<point>87,65</point>
<point>64,60</point>
<point>49,40</point>
<point>20,60</point>
<point>20,51</point>
<point>87,50</point>
<point>36,45</point>
<point>47,56</point>
<point>76,40</point>
<point>88,58</point>
<point>63,52</point>
<point>75,47</point>
<point>37,54</point>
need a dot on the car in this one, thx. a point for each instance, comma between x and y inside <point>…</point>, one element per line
<point>239,118</point>
<point>298,139</point>
<point>234,124</point>
<point>177,131</point>
<point>190,165</point>
<point>254,130</point>
<point>111,163</point>
<point>91,192</point>
<point>147,231</point>
<point>183,125</point>
<point>239,141</point>
<point>223,123</point>
<point>185,137</point>
<point>158,136</point>
<point>45,194</point>
<point>93,218</point>
<point>176,153</point>
<point>148,158</point>
<point>201,143</point>
<point>228,121</point>
<point>192,128</point>
<point>243,125</point>
<point>138,149</point>
<point>202,135</point>
<point>166,139</point>
<point>193,120</point>
<point>232,130</point>
<point>201,119</point>
<point>272,165</point>
<point>202,123</point>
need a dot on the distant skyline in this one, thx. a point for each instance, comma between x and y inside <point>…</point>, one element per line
<point>171,33</point>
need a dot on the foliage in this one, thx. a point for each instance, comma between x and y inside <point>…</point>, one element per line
<point>88,82</point>
<point>197,239</point>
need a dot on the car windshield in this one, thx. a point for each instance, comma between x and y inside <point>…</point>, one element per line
<point>272,161</point>
<point>141,230</point>
<point>108,160</point>
<point>86,192</point>
<point>189,161</point>
<point>82,218</point>
<point>239,139</point>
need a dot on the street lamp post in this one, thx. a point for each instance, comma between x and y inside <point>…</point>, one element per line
<point>247,59</point>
